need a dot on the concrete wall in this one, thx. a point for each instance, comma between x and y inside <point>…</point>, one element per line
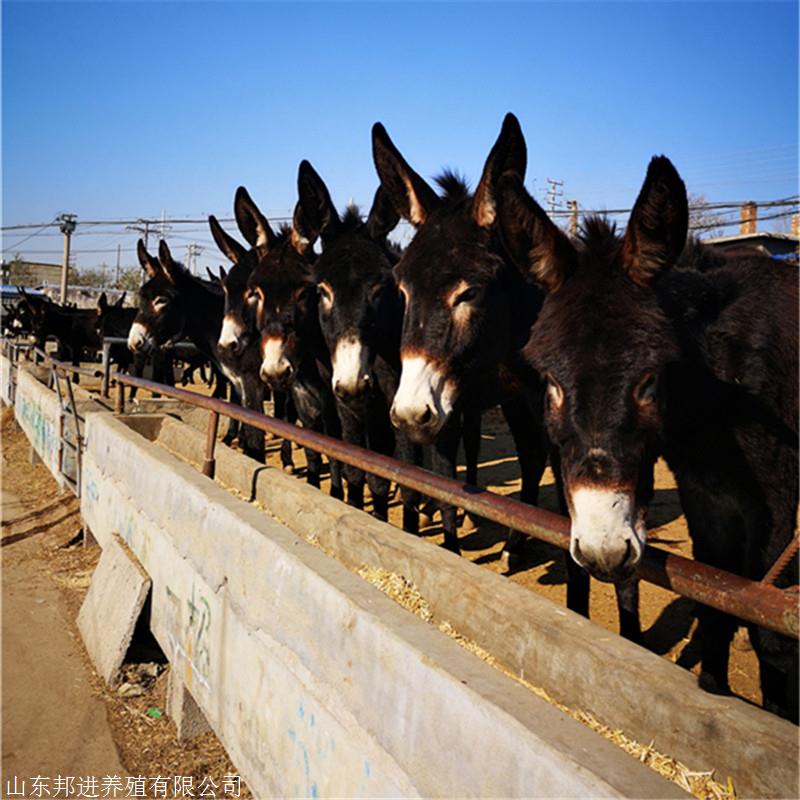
<point>316,683</point>
<point>579,664</point>
<point>5,380</point>
<point>37,411</point>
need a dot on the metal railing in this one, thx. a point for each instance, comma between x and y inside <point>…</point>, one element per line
<point>759,602</point>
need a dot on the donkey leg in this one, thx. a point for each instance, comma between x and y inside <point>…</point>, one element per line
<point>332,427</point>
<point>445,452</point>
<point>628,608</point>
<point>529,439</point>
<point>253,438</point>
<point>471,436</point>
<point>313,467</point>
<point>221,391</point>
<point>778,668</point>
<point>352,433</point>
<point>284,409</point>
<point>716,634</point>
<point>577,587</point>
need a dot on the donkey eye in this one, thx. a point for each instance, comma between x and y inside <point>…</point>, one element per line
<point>555,394</point>
<point>160,302</point>
<point>325,294</point>
<point>467,296</point>
<point>376,293</point>
<point>251,296</point>
<point>644,392</point>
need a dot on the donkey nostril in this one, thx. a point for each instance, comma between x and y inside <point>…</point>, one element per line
<point>628,557</point>
<point>577,551</point>
<point>426,416</point>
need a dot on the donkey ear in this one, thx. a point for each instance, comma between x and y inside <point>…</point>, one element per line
<point>303,234</point>
<point>227,244</point>
<point>383,217</point>
<point>121,300</point>
<point>252,223</point>
<point>533,241</point>
<point>149,264</point>
<point>167,262</point>
<point>508,154</point>
<point>411,197</point>
<point>659,223</point>
<point>319,214</point>
<point>102,303</point>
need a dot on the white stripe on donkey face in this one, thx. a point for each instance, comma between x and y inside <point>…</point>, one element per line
<point>139,337</point>
<point>232,331</point>
<point>350,363</point>
<point>425,396</point>
<point>274,363</point>
<point>608,531</point>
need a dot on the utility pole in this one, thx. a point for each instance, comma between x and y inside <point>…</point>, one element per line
<point>554,192</point>
<point>143,227</point>
<point>572,205</point>
<point>116,275</point>
<point>67,227</point>
<point>192,251</point>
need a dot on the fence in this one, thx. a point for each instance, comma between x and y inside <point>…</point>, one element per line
<point>760,602</point>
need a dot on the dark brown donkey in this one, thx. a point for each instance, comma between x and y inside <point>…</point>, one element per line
<point>283,290</point>
<point>238,341</point>
<point>359,317</point>
<point>698,363</point>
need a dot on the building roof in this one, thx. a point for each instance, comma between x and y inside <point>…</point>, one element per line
<point>744,237</point>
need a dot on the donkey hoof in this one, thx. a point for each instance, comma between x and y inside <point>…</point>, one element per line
<point>288,468</point>
<point>709,683</point>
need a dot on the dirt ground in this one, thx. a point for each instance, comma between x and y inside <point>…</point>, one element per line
<point>59,718</point>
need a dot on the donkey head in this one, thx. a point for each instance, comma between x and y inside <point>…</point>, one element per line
<point>357,296</point>
<point>602,343</point>
<point>161,316</point>
<point>455,323</point>
<point>281,290</point>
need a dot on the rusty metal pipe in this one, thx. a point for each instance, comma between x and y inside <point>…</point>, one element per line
<point>209,465</point>
<point>751,601</point>
<point>119,406</point>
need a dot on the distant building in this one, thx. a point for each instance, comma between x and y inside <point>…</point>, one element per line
<point>777,245</point>
<point>29,273</point>
<point>785,246</point>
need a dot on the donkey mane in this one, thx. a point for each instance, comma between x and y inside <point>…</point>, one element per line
<point>598,235</point>
<point>454,185</point>
<point>351,218</point>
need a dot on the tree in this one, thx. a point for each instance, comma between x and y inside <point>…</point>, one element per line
<point>703,222</point>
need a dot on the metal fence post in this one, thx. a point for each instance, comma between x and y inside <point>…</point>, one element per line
<point>209,465</point>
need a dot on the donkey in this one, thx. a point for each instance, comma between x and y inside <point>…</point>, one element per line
<point>115,321</point>
<point>467,312</point>
<point>238,339</point>
<point>360,316</point>
<point>648,348</point>
<point>73,328</point>
<point>283,292</point>
<point>173,303</point>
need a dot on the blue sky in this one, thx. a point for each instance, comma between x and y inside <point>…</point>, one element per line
<point>121,110</point>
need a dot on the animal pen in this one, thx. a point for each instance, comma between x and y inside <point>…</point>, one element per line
<point>319,685</point>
